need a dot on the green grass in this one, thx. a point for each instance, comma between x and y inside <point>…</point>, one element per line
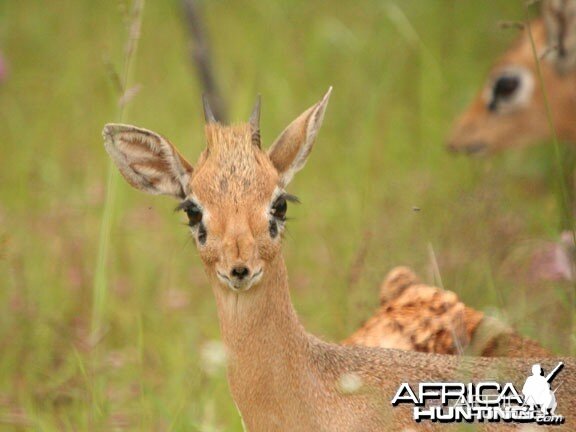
<point>400,70</point>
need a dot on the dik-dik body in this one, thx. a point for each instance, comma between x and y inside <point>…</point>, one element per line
<point>415,316</point>
<point>281,377</point>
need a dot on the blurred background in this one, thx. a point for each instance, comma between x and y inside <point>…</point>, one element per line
<point>115,328</point>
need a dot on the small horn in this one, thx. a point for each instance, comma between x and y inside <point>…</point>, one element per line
<point>255,122</point>
<point>208,114</point>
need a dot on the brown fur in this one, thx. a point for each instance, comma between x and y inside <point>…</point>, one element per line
<point>480,129</point>
<point>417,317</point>
<point>281,377</point>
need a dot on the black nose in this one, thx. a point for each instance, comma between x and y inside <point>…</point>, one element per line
<point>240,272</point>
<point>475,147</point>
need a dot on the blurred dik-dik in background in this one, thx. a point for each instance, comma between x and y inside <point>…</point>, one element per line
<point>530,92</point>
<point>530,97</point>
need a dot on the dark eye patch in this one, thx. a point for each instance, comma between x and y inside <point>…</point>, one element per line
<point>273,227</point>
<point>202,234</point>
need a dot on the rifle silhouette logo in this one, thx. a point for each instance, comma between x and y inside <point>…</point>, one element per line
<point>537,390</point>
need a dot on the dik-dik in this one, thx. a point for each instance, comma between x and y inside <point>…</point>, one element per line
<point>281,377</point>
<point>511,110</point>
<point>415,316</point>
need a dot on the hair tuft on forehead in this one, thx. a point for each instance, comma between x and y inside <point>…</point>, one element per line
<point>225,139</point>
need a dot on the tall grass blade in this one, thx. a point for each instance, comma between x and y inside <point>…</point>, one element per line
<point>101,275</point>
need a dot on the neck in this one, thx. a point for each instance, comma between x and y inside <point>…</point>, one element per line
<point>264,309</point>
<point>267,346</point>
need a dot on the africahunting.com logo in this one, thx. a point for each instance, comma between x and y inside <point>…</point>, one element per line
<point>485,401</point>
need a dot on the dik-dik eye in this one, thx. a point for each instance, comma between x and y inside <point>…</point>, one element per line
<point>278,212</point>
<point>510,88</point>
<point>503,90</point>
<point>506,86</point>
<point>194,213</point>
<point>279,208</point>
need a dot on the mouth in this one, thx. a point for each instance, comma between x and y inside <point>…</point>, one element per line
<point>240,285</point>
<point>472,149</point>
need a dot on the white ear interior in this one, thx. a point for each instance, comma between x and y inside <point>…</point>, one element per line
<point>147,160</point>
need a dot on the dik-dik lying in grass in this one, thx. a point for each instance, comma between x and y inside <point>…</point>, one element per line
<point>510,110</point>
<point>281,377</point>
<point>417,317</point>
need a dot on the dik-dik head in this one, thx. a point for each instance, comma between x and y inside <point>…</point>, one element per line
<point>510,110</point>
<point>234,195</point>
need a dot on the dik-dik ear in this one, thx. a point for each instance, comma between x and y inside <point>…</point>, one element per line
<point>560,21</point>
<point>147,161</point>
<point>291,149</point>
